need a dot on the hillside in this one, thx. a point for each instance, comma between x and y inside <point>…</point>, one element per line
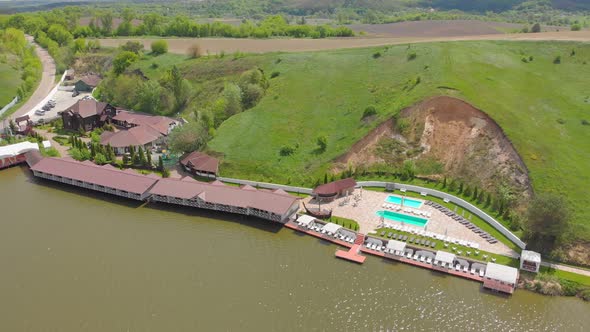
<point>541,106</point>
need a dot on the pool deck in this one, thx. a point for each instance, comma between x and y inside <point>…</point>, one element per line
<point>353,254</point>
<point>364,212</point>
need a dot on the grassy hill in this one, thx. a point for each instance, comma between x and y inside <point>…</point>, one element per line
<point>9,81</point>
<point>540,104</point>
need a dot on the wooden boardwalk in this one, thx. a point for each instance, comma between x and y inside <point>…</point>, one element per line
<point>355,250</point>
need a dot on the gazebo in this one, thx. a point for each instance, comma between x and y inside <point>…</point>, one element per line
<point>331,228</point>
<point>396,247</point>
<point>530,261</point>
<point>305,220</point>
<point>445,258</point>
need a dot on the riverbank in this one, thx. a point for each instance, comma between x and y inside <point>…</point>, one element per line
<point>110,264</point>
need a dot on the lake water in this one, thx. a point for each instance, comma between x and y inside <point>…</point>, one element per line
<point>73,260</point>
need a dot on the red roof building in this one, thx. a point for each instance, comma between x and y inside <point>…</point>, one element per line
<point>91,176</point>
<point>200,164</point>
<point>147,131</point>
<point>333,190</point>
<point>259,203</point>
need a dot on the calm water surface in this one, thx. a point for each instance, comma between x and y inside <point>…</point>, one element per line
<point>73,262</point>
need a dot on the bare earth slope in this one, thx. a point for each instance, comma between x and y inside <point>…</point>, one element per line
<point>465,140</point>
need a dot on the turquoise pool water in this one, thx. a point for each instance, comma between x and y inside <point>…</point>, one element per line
<point>403,218</point>
<point>407,201</point>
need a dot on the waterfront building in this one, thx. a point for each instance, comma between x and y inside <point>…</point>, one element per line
<point>332,190</point>
<point>107,179</point>
<point>530,261</point>
<point>271,205</point>
<point>87,114</point>
<point>15,154</point>
<point>200,164</point>
<point>500,278</point>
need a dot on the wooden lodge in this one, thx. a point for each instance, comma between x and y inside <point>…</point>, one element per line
<point>275,205</point>
<point>200,164</point>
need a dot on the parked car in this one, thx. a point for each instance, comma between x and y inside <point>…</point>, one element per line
<point>39,112</point>
<point>87,97</point>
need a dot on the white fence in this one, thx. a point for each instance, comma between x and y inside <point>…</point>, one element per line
<point>9,105</point>
<point>266,185</point>
<point>456,200</point>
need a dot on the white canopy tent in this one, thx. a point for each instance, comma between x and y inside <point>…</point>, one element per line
<point>502,273</point>
<point>444,257</point>
<point>305,220</point>
<point>396,246</point>
<point>331,228</point>
<point>16,149</point>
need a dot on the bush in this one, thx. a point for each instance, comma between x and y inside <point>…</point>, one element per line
<point>376,55</point>
<point>322,143</point>
<point>576,27</point>
<point>275,74</point>
<point>286,150</point>
<point>557,60</point>
<point>411,56</point>
<point>585,123</point>
<point>585,294</point>
<point>536,28</point>
<point>370,110</point>
<point>159,47</point>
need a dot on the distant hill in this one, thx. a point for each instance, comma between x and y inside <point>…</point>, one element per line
<point>309,7</point>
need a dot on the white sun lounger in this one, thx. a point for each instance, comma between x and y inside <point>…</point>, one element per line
<point>422,259</point>
<point>408,255</point>
<point>465,269</point>
<point>416,257</point>
<point>429,260</point>
<point>481,273</point>
<point>457,267</point>
<point>472,271</point>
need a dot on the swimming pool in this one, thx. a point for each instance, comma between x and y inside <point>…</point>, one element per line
<point>416,204</point>
<point>403,218</point>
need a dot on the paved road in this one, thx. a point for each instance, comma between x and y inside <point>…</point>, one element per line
<point>47,81</point>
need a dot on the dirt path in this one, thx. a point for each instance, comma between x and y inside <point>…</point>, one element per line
<point>567,268</point>
<point>230,45</point>
<point>47,80</point>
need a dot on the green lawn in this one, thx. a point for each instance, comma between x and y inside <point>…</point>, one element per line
<point>540,106</point>
<point>9,83</point>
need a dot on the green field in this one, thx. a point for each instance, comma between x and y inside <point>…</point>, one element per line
<point>539,104</point>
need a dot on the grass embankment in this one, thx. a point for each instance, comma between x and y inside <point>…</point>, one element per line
<point>9,81</point>
<point>325,93</point>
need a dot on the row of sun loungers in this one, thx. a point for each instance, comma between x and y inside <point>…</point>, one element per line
<point>394,207</point>
<point>319,228</point>
<point>486,236</point>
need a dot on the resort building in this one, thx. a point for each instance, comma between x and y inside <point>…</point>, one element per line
<point>500,278</point>
<point>127,120</point>
<point>332,190</point>
<point>87,114</point>
<point>107,178</point>
<point>200,164</point>
<point>14,154</point>
<point>137,129</point>
<point>530,261</point>
<point>24,125</point>
<point>87,83</point>
<point>270,205</point>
